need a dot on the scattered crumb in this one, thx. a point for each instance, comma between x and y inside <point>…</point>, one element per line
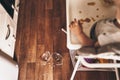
<point>97,16</point>
<point>80,11</point>
<point>97,9</point>
<point>93,19</point>
<point>85,20</point>
<point>91,3</point>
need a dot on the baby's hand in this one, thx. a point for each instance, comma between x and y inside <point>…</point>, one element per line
<point>76,27</point>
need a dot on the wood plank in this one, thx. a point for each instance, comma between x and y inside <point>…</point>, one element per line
<point>41,22</point>
<point>34,9</point>
<point>18,37</point>
<point>40,51</point>
<point>94,75</point>
<point>107,76</point>
<point>37,71</point>
<point>56,35</point>
<point>32,42</point>
<point>30,71</point>
<point>56,8</point>
<point>66,67</point>
<point>48,31</point>
<point>48,4</point>
<point>63,14</point>
<point>45,69</point>
<point>41,9</point>
<point>41,31</point>
<point>20,26</point>
<point>49,42</point>
<point>22,7</point>
<point>22,71</point>
<point>58,25</point>
<point>25,33</point>
<point>57,72</point>
<point>45,72</point>
<point>59,36</point>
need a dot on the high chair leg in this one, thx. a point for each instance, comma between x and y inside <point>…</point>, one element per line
<point>116,71</point>
<point>75,68</point>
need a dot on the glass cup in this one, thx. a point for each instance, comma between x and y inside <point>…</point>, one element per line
<point>46,56</point>
<point>57,57</point>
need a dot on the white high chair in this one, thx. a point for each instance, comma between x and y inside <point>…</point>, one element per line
<point>81,9</point>
<point>78,66</point>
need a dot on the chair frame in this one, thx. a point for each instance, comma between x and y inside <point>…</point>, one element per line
<point>81,61</point>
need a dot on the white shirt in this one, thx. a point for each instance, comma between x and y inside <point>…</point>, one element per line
<point>107,32</point>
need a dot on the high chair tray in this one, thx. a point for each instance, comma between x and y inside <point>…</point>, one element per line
<point>88,12</point>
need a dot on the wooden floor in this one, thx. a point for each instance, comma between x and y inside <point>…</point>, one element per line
<point>39,30</point>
